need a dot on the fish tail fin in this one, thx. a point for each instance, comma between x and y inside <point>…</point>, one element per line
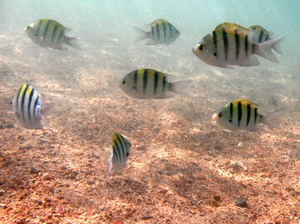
<point>109,163</point>
<point>277,49</point>
<point>265,49</point>
<point>179,87</point>
<point>70,42</point>
<point>272,119</point>
<point>141,34</point>
<point>45,110</point>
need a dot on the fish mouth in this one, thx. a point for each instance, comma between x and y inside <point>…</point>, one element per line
<point>194,50</point>
<point>215,117</point>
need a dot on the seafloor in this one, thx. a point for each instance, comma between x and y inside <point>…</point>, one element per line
<point>184,168</point>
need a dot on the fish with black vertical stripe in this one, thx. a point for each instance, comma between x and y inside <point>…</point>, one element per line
<point>119,153</point>
<point>28,108</point>
<point>242,115</point>
<point>162,32</point>
<point>50,34</point>
<point>261,35</point>
<point>147,83</point>
<point>231,44</point>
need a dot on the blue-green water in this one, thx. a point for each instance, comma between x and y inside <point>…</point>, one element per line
<point>175,137</point>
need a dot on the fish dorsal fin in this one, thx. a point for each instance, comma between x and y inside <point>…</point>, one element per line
<point>230,27</point>
<point>55,22</point>
<point>257,27</point>
<point>158,21</point>
<point>246,102</point>
<point>151,72</point>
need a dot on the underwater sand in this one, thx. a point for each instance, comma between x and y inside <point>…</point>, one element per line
<point>182,169</point>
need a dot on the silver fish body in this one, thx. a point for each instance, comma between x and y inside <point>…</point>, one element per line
<point>28,109</point>
<point>50,34</point>
<point>231,44</point>
<point>119,153</point>
<point>162,32</point>
<point>150,84</point>
<point>243,115</point>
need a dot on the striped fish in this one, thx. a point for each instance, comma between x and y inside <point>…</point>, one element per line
<point>231,44</point>
<point>242,115</point>
<point>150,84</point>
<point>119,153</point>
<point>28,109</point>
<point>162,32</point>
<point>261,35</point>
<point>50,34</point>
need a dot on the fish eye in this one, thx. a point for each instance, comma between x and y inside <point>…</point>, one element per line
<point>201,47</point>
<point>28,28</point>
<point>220,115</point>
<point>123,82</point>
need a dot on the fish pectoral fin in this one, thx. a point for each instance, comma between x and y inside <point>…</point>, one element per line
<point>251,61</point>
<point>45,110</point>
<point>108,162</point>
<point>108,159</point>
<point>134,88</point>
<point>39,38</point>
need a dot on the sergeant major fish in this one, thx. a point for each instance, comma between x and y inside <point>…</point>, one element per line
<point>242,115</point>
<point>50,34</point>
<point>119,152</point>
<point>150,84</point>
<point>28,109</point>
<point>231,44</point>
<point>261,35</point>
<point>162,32</point>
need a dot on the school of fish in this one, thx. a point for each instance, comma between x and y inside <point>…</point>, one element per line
<point>227,45</point>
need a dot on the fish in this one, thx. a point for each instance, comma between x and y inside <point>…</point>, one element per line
<point>162,32</point>
<point>119,153</point>
<point>28,108</point>
<point>147,83</point>
<point>262,35</point>
<point>231,44</point>
<point>242,115</point>
<point>50,34</point>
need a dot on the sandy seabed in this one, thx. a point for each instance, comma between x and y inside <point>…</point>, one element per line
<point>184,167</point>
